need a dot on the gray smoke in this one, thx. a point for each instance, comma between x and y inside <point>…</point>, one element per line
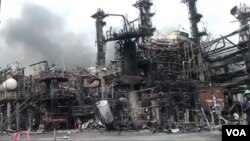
<point>39,34</point>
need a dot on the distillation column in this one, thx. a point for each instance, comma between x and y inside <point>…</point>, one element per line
<point>99,16</point>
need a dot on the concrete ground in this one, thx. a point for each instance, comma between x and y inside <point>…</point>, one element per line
<point>100,135</point>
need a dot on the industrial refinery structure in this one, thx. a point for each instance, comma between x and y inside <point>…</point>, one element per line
<point>179,81</point>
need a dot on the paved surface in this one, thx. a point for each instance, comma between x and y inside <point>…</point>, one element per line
<point>123,136</point>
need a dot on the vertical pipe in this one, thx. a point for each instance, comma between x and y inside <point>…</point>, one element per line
<point>1,120</point>
<point>134,107</point>
<point>102,81</point>
<point>8,114</point>
<point>112,91</point>
<point>153,104</point>
<point>156,111</point>
<point>54,134</point>
<point>17,116</point>
<point>30,120</point>
<point>80,97</point>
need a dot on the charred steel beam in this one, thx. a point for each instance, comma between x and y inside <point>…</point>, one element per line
<point>41,62</point>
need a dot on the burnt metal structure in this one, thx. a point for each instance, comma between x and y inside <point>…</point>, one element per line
<point>99,16</point>
<point>175,81</point>
<point>146,15</point>
<point>194,19</point>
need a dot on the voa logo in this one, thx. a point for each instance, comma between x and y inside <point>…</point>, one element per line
<point>236,132</point>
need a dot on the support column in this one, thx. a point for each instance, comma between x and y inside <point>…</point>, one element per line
<point>17,116</point>
<point>135,107</point>
<point>80,97</point>
<point>8,115</point>
<point>102,81</point>
<point>156,111</point>
<point>30,119</point>
<point>1,121</point>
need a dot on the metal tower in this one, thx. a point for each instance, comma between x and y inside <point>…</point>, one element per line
<point>99,16</point>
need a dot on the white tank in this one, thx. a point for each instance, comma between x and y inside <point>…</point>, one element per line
<point>105,111</point>
<point>9,84</point>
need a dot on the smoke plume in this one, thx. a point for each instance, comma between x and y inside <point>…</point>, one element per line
<point>39,34</point>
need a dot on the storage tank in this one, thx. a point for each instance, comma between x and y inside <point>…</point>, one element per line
<point>178,36</point>
<point>9,84</point>
<point>105,112</point>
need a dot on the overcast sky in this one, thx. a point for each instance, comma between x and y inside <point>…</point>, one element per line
<point>63,31</point>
